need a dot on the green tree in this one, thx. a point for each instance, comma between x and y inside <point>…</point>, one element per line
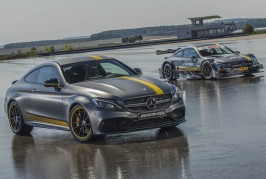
<point>68,48</point>
<point>140,37</point>
<point>50,49</point>
<point>248,29</point>
<point>34,52</point>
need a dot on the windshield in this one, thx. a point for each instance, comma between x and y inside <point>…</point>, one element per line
<point>92,70</point>
<point>214,50</point>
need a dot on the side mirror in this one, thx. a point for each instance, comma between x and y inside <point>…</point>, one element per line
<point>138,70</point>
<point>237,52</point>
<point>51,83</point>
<point>194,58</point>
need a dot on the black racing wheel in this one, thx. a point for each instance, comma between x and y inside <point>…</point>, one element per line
<point>16,120</point>
<point>79,124</point>
<point>168,71</point>
<point>206,70</point>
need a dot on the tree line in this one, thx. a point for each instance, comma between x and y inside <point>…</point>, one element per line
<point>145,31</point>
<point>132,39</point>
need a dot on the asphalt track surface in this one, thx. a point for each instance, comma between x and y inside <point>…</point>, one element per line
<point>224,136</point>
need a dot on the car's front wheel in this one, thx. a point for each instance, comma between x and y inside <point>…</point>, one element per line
<point>16,120</point>
<point>168,71</point>
<point>79,124</point>
<point>206,70</point>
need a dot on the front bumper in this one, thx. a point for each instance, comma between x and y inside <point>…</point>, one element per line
<point>111,122</point>
<point>226,72</point>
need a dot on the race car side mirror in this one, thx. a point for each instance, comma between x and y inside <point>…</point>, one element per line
<point>194,58</point>
<point>237,52</point>
<point>138,70</point>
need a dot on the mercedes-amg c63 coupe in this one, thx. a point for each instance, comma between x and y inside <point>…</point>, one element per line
<point>91,96</point>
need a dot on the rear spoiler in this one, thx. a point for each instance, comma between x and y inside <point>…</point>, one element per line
<point>160,52</point>
<point>14,82</point>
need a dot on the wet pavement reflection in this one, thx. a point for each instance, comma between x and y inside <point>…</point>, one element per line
<point>224,136</point>
<point>162,153</point>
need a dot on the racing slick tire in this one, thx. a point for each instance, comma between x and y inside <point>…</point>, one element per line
<point>168,71</point>
<point>16,120</point>
<point>206,70</point>
<point>79,124</point>
<point>169,127</point>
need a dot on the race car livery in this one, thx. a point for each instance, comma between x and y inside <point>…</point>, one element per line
<point>210,61</point>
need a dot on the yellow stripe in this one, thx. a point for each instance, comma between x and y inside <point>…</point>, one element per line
<point>187,69</point>
<point>46,120</point>
<point>246,57</point>
<point>96,57</point>
<point>154,87</point>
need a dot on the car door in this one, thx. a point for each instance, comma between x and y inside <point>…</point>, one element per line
<point>47,102</point>
<point>190,57</point>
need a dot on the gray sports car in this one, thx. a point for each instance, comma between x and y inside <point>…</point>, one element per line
<point>208,61</point>
<point>90,96</point>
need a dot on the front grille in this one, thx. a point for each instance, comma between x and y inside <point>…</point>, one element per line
<point>241,64</point>
<point>139,104</point>
<point>150,122</point>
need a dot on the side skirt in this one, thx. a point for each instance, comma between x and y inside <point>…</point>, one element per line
<point>44,122</point>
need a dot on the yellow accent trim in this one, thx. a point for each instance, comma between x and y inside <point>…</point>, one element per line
<point>46,120</point>
<point>96,57</point>
<point>187,69</point>
<point>246,57</point>
<point>71,126</point>
<point>154,87</point>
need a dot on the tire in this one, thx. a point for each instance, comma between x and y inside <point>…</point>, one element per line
<point>169,127</point>
<point>168,71</point>
<point>248,75</point>
<point>16,120</point>
<point>206,70</point>
<point>79,124</point>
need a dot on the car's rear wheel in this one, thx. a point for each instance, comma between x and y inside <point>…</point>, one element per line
<point>206,70</point>
<point>168,71</point>
<point>79,124</point>
<point>16,120</point>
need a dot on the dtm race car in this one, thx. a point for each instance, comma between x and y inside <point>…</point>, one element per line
<point>210,61</point>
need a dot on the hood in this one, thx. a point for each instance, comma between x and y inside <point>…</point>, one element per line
<point>232,58</point>
<point>124,87</point>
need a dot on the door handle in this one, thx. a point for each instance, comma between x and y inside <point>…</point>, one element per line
<point>34,90</point>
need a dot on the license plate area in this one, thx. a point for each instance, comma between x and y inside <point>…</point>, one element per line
<point>243,68</point>
<point>149,115</point>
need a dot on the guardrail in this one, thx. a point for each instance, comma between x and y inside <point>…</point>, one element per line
<point>139,44</point>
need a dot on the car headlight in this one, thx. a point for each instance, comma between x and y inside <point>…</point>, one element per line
<point>177,95</point>
<point>106,104</point>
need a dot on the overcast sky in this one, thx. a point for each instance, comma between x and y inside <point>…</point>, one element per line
<point>27,20</point>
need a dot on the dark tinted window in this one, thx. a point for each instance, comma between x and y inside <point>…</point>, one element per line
<point>47,73</point>
<point>179,54</point>
<point>95,70</point>
<point>32,77</point>
<point>214,50</point>
<point>189,53</point>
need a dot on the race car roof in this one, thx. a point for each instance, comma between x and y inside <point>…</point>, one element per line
<point>65,61</point>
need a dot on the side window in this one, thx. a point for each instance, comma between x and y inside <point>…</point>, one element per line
<point>47,73</point>
<point>32,77</point>
<point>179,54</point>
<point>189,53</point>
